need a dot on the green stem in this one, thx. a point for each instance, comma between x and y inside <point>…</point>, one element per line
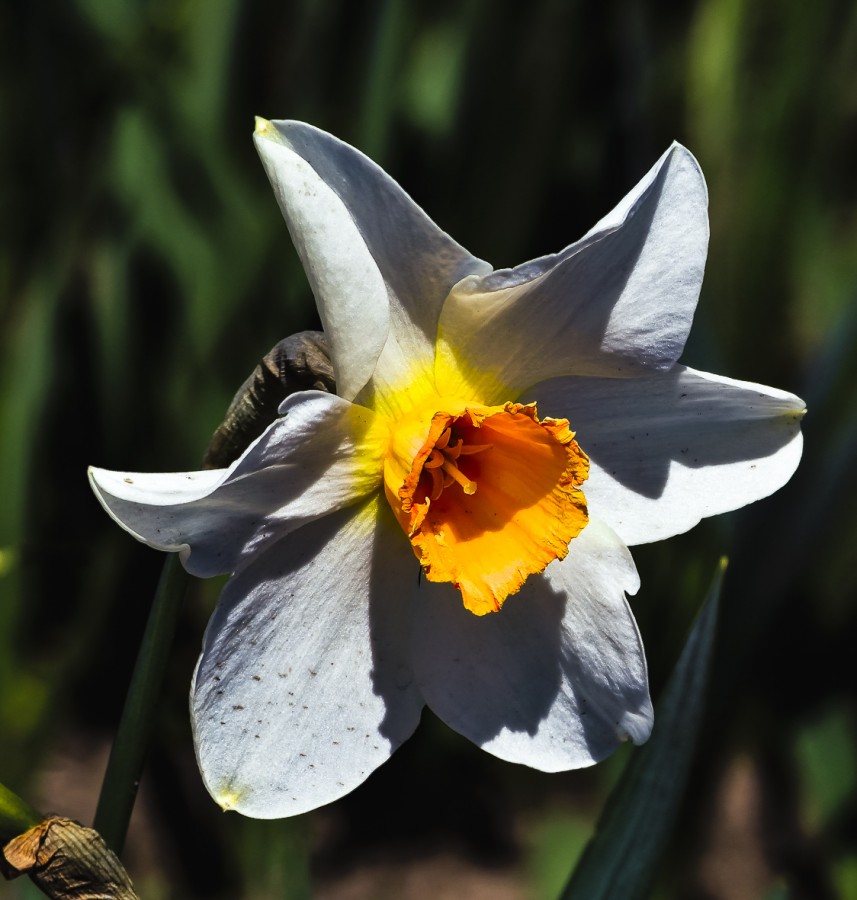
<point>122,777</point>
<point>16,815</point>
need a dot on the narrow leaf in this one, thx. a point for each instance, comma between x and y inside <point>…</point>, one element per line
<point>125,765</point>
<point>635,826</point>
<point>16,815</point>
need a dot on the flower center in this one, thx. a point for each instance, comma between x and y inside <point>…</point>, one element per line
<point>487,495</point>
<point>442,464</point>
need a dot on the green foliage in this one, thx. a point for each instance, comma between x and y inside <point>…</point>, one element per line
<point>16,816</point>
<point>621,859</point>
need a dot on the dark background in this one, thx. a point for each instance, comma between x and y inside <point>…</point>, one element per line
<point>144,269</point>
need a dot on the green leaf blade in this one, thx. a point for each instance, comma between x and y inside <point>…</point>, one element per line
<point>635,826</point>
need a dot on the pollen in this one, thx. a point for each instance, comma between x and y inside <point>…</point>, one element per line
<point>488,496</point>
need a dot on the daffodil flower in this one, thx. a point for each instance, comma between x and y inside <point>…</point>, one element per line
<point>451,528</point>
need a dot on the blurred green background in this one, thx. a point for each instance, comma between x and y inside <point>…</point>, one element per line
<point>144,269</point>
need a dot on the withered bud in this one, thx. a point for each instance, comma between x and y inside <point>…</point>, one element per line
<point>297,363</point>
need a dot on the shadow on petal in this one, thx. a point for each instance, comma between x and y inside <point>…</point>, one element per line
<point>394,570</point>
<point>298,697</point>
<point>618,303</point>
<point>557,678</point>
<point>486,674</point>
<point>635,429</point>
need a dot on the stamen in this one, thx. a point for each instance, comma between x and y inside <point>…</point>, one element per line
<point>441,464</point>
<point>454,451</point>
<point>435,460</point>
<point>437,483</point>
<point>470,449</point>
<point>442,442</point>
<point>451,469</point>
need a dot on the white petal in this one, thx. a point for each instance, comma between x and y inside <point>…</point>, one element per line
<point>618,302</point>
<point>324,454</point>
<point>304,685</point>
<point>379,267</point>
<point>557,678</point>
<point>670,449</point>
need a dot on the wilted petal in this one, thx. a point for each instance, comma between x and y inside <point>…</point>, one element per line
<point>618,302</point>
<point>324,454</point>
<point>379,267</point>
<point>304,686</point>
<point>557,678</point>
<point>670,449</point>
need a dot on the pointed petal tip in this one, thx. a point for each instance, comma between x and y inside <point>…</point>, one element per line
<point>678,146</point>
<point>678,155</point>
<point>678,149</point>
<point>227,799</point>
<point>279,131</point>
<point>106,484</point>
<point>101,481</point>
<point>266,130</point>
<point>637,726</point>
<point>118,493</point>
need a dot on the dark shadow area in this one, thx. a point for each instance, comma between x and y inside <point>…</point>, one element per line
<point>549,659</point>
<point>634,428</point>
<point>484,674</point>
